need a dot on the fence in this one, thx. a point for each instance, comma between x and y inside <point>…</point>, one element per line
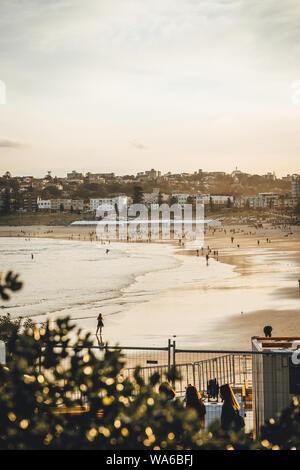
<point>263,382</point>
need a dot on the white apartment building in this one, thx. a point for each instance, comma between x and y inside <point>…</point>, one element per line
<point>296,187</point>
<point>108,203</point>
<point>218,200</point>
<point>264,200</point>
<point>67,204</point>
<point>181,198</point>
<point>221,200</point>
<point>202,198</point>
<point>44,204</point>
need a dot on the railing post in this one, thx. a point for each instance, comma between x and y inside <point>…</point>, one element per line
<point>174,360</point>
<point>169,355</point>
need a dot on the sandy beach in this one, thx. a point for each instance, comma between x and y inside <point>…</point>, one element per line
<point>219,306</point>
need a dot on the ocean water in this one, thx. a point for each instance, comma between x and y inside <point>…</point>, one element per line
<point>148,292</point>
<point>72,277</point>
<point>78,279</point>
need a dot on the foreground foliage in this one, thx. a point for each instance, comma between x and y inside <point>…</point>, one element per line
<point>53,371</point>
<point>44,375</point>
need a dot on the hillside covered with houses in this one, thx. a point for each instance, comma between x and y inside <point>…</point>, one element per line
<point>81,193</point>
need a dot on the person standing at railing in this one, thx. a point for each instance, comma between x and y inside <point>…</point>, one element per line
<point>167,390</point>
<point>194,401</point>
<point>230,417</point>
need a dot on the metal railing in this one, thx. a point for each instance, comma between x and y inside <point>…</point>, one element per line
<point>263,381</point>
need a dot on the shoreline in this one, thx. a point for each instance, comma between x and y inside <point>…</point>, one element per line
<point>254,269</point>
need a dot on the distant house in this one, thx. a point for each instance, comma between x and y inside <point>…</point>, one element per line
<point>181,197</point>
<point>44,205</point>
<point>66,205</point>
<point>74,176</point>
<point>30,203</point>
<point>108,204</point>
<point>296,187</point>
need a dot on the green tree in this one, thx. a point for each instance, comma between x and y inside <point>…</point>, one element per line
<point>283,431</point>
<point>6,202</point>
<point>138,195</point>
<point>12,327</point>
<point>52,369</point>
<point>9,283</point>
<point>48,371</point>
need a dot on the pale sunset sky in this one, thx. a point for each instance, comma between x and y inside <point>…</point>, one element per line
<point>129,85</point>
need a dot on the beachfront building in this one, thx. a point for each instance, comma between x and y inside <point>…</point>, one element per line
<point>44,205</point>
<point>220,200</point>
<point>67,205</point>
<point>181,198</point>
<point>240,202</point>
<point>108,204</point>
<point>217,200</point>
<point>30,203</point>
<point>264,200</point>
<point>288,202</point>
<point>296,187</point>
<point>202,198</point>
<point>260,202</point>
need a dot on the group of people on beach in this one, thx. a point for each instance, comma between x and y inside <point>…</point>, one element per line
<point>230,417</point>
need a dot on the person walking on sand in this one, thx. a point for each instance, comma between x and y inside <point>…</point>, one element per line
<point>207,258</point>
<point>194,401</point>
<point>100,324</point>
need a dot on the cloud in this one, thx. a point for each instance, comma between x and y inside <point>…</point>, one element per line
<point>13,144</point>
<point>138,145</point>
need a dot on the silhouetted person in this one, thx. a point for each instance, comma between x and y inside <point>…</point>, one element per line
<point>166,388</point>
<point>194,400</point>
<point>268,331</point>
<point>230,417</point>
<point>213,389</point>
<point>100,323</point>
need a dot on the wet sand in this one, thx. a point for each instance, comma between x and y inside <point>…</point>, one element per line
<point>216,307</point>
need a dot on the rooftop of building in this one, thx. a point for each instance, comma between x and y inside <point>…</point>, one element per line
<point>275,343</point>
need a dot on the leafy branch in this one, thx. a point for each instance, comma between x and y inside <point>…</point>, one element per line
<point>12,283</point>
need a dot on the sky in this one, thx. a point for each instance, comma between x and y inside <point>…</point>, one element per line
<point>129,85</point>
